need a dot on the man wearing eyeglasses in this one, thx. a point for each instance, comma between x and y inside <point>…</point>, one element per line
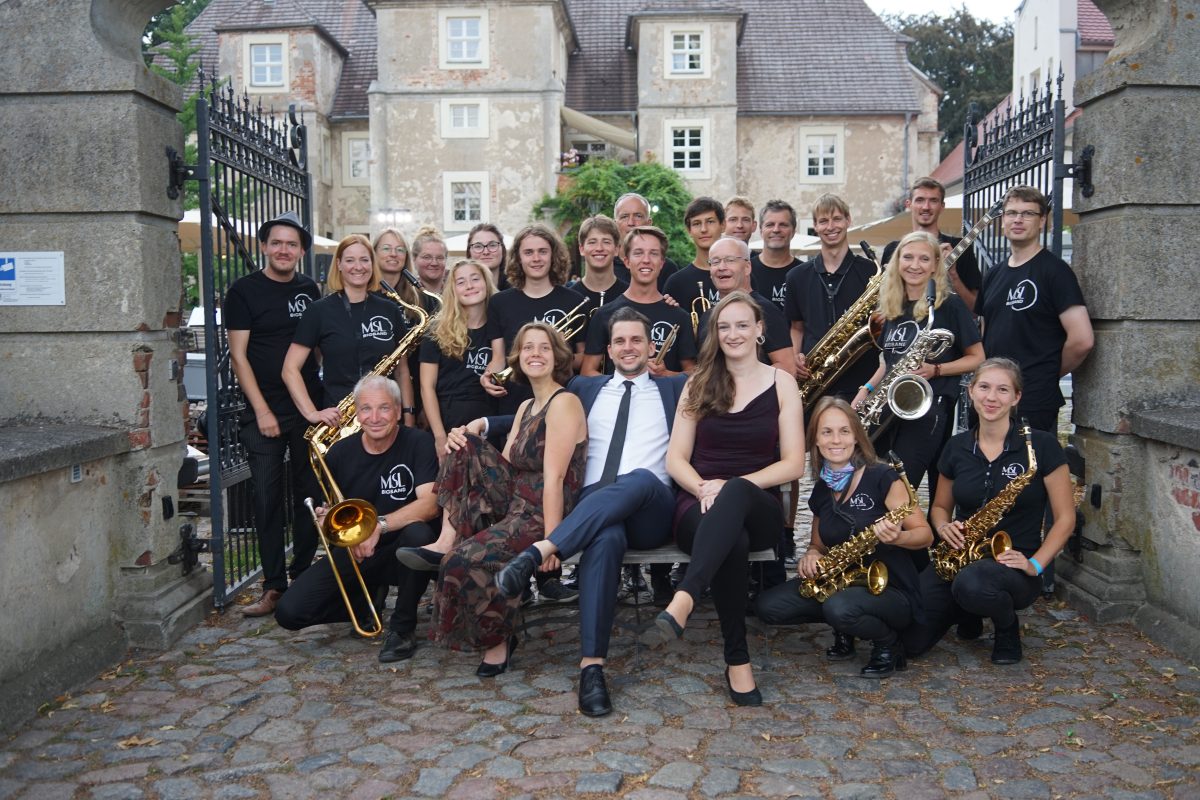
<point>1033,310</point>
<point>633,211</point>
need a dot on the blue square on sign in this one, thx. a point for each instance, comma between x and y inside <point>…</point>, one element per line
<point>8,269</point>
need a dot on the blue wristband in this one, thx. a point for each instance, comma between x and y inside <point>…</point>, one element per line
<point>1036,565</point>
<point>870,389</point>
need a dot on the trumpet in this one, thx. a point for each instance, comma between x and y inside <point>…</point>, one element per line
<point>700,306</point>
<point>668,343</point>
<point>347,523</point>
<point>569,326</point>
<point>592,313</point>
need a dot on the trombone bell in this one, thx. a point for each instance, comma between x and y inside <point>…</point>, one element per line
<point>350,522</point>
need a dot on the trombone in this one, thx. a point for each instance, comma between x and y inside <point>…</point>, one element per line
<point>569,326</point>
<point>700,306</point>
<point>347,523</point>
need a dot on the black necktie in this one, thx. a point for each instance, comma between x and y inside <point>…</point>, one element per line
<point>612,462</point>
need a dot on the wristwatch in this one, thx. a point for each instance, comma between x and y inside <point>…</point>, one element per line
<point>383,523</point>
<point>409,410</point>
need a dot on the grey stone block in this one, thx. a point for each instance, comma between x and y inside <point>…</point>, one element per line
<point>599,783</point>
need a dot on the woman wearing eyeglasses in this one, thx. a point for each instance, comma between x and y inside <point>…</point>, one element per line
<point>485,244</point>
<point>391,253</point>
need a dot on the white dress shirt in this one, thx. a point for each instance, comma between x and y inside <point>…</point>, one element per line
<point>646,437</point>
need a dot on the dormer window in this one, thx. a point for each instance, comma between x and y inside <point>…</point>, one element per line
<point>266,68</point>
<point>687,52</point>
<point>463,38</point>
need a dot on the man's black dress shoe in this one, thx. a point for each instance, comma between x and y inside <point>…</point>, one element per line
<point>514,578</point>
<point>397,647</point>
<point>421,559</point>
<point>750,698</point>
<point>842,649</point>
<point>593,693</point>
<point>486,670</point>
<point>885,659</point>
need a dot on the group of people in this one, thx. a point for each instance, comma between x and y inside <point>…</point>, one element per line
<point>536,438</point>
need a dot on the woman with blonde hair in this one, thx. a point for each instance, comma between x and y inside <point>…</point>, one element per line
<point>391,251</point>
<point>429,259</point>
<point>904,305</point>
<point>457,350</point>
<point>352,328</point>
<point>738,435</point>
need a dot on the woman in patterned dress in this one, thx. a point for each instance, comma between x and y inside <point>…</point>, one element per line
<point>497,504</point>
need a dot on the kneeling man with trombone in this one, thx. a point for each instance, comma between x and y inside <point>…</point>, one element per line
<point>389,471</point>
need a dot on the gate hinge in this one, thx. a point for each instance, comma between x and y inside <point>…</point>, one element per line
<point>190,547</point>
<point>1081,171</point>
<point>178,172</point>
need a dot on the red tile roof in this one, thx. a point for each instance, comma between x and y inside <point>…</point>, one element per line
<point>1094,27</point>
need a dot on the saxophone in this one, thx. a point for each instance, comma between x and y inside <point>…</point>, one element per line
<point>905,393</point>
<point>843,566</point>
<point>321,437</point>
<point>843,343</point>
<point>947,561</point>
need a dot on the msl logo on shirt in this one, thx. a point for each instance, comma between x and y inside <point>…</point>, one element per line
<point>1013,471</point>
<point>1022,296</point>
<point>478,360</point>
<point>659,333</point>
<point>779,294</point>
<point>901,337</point>
<point>862,502</point>
<point>552,316</point>
<point>398,484</point>
<point>298,305</point>
<point>378,328</point>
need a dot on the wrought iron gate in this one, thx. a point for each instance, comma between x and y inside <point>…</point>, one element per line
<point>1021,145</point>
<point>251,167</point>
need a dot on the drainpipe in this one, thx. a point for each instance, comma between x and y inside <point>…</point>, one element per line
<point>904,179</point>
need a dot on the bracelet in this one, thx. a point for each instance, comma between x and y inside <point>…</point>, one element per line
<point>937,370</point>
<point>1036,565</point>
<point>870,389</point>
<point>409,410</point>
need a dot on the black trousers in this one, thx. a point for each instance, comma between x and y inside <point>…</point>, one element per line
<point>854,611</point>
<point>267,470</point>
<point>743,518</point>
<point>918,442</point>
<point>313,598</point>
<point>460,412</point>
<point>984,589</point>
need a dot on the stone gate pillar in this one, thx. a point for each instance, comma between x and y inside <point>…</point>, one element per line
<point>1137,398</point>
<point>91,411</point>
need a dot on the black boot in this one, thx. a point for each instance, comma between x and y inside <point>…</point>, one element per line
<point>970,626</point>
<point>1007,646</point>
<point>843,647</point>
<point>885,659</point>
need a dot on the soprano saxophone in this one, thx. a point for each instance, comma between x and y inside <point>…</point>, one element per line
<point>843,565</point>
<point>977,544</point>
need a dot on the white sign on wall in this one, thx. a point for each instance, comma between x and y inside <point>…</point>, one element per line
<point>32,279</point>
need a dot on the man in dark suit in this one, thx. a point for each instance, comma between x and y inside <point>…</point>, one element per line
<point>627,500</point>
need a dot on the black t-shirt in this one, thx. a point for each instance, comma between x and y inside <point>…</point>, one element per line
<point>771,282</point>
<point>683,286</point>
<point>899,334</point>
<point>966,267</point>
<point>818,299</point>
<point>838,521</point>
<point>598,299</point>
<point>1021,307</point>
<point>512,308</point>
<point>458,378</point>
<point>669,268</point>
<point>387,481</point>
<point>976,481</point>
<point>271,310</point>
<point>775,328</point>
<point>661,315</point>
<point>352,338</point>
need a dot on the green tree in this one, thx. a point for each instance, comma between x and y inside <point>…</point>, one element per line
<point>596,185</point>
<point>971,59</point>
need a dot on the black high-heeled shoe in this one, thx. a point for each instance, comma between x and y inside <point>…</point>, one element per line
<point>750,698</point>
<point>885,659</point>
<point>486,670</point>
<point>842,647</point>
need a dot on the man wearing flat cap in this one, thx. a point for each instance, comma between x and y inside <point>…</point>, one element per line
<point>261,312</point>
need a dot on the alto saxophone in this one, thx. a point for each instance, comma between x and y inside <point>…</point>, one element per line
<point>906,394</point>
<point>845,342</point>
<point>321,437</point>
<point>843,565</point>
<point>947,561</point>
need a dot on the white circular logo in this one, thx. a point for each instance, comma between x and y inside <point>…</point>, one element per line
<point>658,334</point>
<point>378,328</point>
<point>397,484</point>
<point>553,316</point>
<point>1013,471</point>
<point>1022,296</point>
<point>862,502</point>
<point>901,337</point>
<point>297,305</point>
<point>478,360</point>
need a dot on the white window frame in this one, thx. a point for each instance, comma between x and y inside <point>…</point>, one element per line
<point>669,52</point>
<point>448,181</point>
<point>249,42</point>
<point>449,131</point>
<point>484,55</point>
<point>838,132</point>
<point>349,140</point>
<point>704,171</point>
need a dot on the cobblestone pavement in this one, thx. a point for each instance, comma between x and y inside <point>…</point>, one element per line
<point>243,709</point>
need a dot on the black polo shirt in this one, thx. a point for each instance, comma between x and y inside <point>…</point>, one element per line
<point>900,333</point>
<point>966,267</point>
<point>661,315</point>
<point>977,480</point>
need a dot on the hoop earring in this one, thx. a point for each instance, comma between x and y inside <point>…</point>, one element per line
<point>761,339</point>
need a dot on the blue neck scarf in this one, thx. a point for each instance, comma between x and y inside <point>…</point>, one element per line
<point>837,479</point>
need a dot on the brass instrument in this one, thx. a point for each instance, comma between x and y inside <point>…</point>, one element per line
<point>907,395</point>
<point>668,343</point>
<point>845,342</point>
<point>977,544</point>
<point>700,306</point>
<point>843,566</point>
<point>569,326</point>
<point>592,313</point>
